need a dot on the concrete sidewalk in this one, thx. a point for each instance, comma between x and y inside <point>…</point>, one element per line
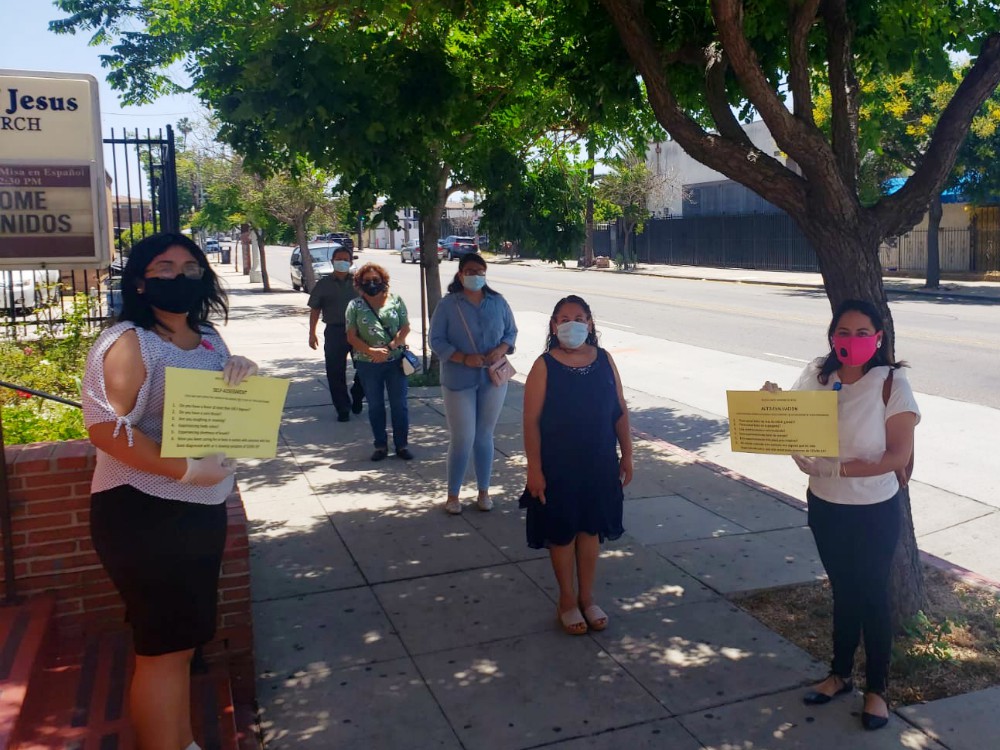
<point>382,623</point>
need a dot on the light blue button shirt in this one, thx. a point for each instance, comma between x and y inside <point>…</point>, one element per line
<point>491,323</point>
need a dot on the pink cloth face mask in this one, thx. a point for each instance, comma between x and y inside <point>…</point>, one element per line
<point>855,351</point>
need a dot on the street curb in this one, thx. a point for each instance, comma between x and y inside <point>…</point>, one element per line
<point>963,574</point>
<point>798,285</point>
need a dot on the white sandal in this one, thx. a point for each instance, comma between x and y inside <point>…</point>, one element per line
<point>484,502</point>
<point>572,621</point>
<point>453,506</point>
<point>595,617</point>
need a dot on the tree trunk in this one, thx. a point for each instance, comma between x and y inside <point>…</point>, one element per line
<point>628,228</point>
<point>263,259</point>
<point>588,244</point>
<point>906,584</point>
<point>848,259</point>
<point>361,233</point>
<point>933,248</point>
<point>308,276</point>
<point>245,250</point>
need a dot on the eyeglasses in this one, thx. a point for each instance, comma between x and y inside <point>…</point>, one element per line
<point>168,270</point>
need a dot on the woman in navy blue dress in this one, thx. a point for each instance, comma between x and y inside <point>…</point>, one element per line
<point>575,420</point>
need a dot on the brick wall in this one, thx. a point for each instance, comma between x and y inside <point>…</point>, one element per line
<point>49,485</point>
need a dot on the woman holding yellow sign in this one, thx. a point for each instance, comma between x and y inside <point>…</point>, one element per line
<point>159,524</point>
<point>854,508</point>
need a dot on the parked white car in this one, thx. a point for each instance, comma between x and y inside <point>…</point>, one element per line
<point>26,290</point>
<point>322,263</point>
<point>410,252</point>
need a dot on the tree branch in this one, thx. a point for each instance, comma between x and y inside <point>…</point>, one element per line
<point>753,168</point>
<point>717,99</point>
<point>844,91</point>
<point>903,208</point>
<point>800,22</point>
<point>803,143</point>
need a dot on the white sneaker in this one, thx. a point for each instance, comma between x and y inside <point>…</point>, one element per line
<point>453,506</point>
<point>484,503</point>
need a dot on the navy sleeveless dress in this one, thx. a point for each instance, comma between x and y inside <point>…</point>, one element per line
<point>579,455</point>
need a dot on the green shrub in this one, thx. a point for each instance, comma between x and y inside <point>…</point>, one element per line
<point>52,363</point>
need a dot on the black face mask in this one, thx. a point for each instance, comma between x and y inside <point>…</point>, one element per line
<point>373,288</point>
<point>177,295</point>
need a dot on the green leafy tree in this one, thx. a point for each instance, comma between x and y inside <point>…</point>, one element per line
<point>630,187</point>
<point>896,125</point>
<point>404,101</point>
<point>538,203</point>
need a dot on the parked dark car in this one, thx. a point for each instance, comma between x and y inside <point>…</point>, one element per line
<point>455,247</point>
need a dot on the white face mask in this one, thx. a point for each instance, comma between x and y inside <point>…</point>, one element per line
<point>572,333</point>
<point>474,283</point>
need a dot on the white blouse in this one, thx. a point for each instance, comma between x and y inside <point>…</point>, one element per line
<point>861,418</point>
<point>147,415</point>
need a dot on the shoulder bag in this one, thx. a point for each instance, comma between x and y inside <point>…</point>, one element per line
<point>904,474</point>
<point>500,371</point>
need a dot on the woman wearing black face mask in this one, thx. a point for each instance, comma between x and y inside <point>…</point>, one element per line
<point>377,326</point>
<point>159,524</point>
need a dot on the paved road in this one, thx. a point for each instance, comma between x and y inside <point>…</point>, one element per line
<point>780,325</point>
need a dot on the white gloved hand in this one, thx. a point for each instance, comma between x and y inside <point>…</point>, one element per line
<point>237,370</point>
<point>208,471</point>
<point>818,466</point>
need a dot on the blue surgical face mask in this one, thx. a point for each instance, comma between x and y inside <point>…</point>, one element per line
<point>473,283</point>
<point>342,266</point>
<point>572,333</point>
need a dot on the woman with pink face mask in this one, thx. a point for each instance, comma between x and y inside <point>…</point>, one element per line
<point>854,508</point>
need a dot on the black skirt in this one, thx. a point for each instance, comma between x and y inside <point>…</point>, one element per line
<point>164,558</point>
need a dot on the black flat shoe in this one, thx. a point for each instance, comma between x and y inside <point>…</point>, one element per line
<point>871,722</point>
<point>816,698</point>
<point>343,416</point>
<point>404,453</point>
<point>379,454</point>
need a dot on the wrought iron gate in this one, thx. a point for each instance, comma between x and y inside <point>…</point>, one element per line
<point>142,185</point>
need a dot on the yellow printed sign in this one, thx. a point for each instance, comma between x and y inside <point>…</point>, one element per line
<point>203,415</point>
<point>784,423</point>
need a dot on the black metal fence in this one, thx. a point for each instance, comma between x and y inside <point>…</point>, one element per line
<point>774,242</point>
<point>142,199</point>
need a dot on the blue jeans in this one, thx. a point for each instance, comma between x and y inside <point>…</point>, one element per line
<point>472,415</point>
<point>376,379</point>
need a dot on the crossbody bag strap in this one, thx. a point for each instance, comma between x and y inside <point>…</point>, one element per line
<point>472,341</point>
<point>887,387</point>
<point>379,320</point>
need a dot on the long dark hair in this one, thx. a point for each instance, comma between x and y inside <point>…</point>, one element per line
<point>135,306</point>
<point>552,341</point>
<point>881,359</point>
<point>456,283</point>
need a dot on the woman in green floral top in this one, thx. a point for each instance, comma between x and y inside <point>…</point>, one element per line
<point>377,326</point>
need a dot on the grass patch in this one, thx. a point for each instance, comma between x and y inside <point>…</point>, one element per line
<point>951,648</point>
<point>429,377</point>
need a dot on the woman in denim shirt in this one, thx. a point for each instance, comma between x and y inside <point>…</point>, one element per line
<point>472,328</point>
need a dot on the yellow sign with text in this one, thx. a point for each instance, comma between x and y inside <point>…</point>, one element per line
<point>784,423</point>
<point>203,415</point>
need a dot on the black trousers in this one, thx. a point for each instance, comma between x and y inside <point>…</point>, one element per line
<point>856,544</point>
<point>335,351</point>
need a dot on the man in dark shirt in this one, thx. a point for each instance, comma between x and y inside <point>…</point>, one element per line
<point>330,297</point>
